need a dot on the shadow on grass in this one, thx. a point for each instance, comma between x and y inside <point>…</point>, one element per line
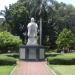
<point>62,62</point>
<point>14,56</point>
<point>7,62</point>
<point>51,55</point>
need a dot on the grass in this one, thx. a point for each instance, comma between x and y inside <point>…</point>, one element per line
<point>62,64</point>
<point>7,63</point>
<point>63,69</point>
<point>6,70</point>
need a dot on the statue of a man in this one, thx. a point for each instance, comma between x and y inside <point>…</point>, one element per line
<point>32,32</point>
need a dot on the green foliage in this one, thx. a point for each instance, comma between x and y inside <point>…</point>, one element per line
<point>59,16</point>
<point>18,15</point>
<point>65,39</point>
<point>62,14</point>
<point>64,59</point>
<point>8,40</point>
<point>17,18</point>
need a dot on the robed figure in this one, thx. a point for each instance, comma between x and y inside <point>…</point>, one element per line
<point>32,32</point>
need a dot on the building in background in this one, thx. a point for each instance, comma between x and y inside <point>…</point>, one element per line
<point>1,19</point>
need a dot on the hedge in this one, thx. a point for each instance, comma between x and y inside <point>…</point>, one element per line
<point>64,59</point>
<point>7,60</point>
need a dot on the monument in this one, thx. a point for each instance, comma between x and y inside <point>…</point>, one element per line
<point>32,50</point>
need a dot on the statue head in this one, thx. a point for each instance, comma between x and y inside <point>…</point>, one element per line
<point>32,19</point>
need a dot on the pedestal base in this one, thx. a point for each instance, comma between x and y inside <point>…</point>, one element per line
<point>32,52</point>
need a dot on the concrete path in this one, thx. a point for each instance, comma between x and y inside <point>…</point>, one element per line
<point>32,68</point>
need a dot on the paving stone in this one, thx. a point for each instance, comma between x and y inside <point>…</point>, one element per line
<point>32,68</point>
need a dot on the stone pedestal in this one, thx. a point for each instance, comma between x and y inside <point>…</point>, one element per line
<point>32,52</point>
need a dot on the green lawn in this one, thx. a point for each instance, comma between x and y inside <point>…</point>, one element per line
<point>6,70</point>
<point>63,69</point>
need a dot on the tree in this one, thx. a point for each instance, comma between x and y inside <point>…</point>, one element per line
<point>63,16</point>
<point>59,14</point>
<point>19,14</point>
<point>16,17</point>
<point>66,39</point>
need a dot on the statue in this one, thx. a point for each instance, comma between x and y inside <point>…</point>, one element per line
<point>32,32</point>
<point>32,51</point>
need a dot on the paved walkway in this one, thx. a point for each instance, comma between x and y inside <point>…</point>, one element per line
<point>32,68</point>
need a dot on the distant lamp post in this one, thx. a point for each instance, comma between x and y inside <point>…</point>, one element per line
<point>25,37</point>
<point>40,13</point>
<point>40,31</point>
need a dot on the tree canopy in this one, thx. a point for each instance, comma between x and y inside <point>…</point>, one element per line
<point>56,16</point>
<point>66,39</point>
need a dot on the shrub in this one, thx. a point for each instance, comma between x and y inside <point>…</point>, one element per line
<point>8,40</point>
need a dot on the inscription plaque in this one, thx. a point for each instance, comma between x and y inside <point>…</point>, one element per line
<point>22,53</point>
<point>32,53</point>
<point>41,53</point>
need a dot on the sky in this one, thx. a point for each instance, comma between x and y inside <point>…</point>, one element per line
<point>4,3</point>
<point>68,2</point>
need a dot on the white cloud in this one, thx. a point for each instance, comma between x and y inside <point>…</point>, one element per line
<point>4,3</point>
<point>67,1</point>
